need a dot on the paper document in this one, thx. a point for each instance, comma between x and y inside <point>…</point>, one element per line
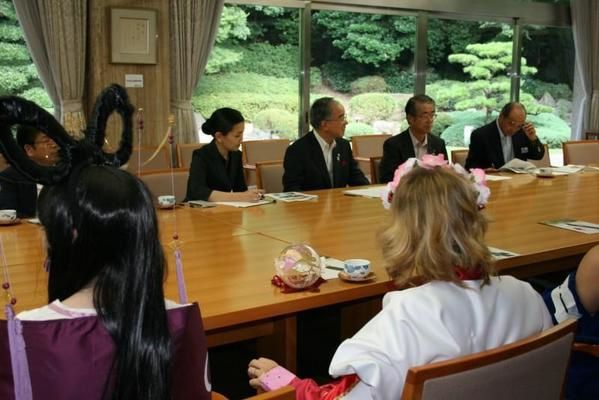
<point>497,178</point>
<point>374,192</point>
<point>243,204</point>
<point>500,254</point>
<point>567,169</point>
<point>518,166</point>
<point>574,225</point>
<point>288,197</point>
<point>331,268</point>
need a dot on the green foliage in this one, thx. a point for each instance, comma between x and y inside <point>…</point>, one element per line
<point>7,11</point>
<point>538,88</point>
<point>275,25</point>
<point>10,33</point>
<point>454,134</point>
<point>12,80</point>
<point>249,93</point>
<point>338,76</point>
<point>400,81</point>
<point>13,54</point>
<point>370,107</point>
<point>358,129</point>
<point>265,59</point>
<point>233,25</point>
<point>277,121</point>
<point>550,129</point>
<point>39,96</point>
<point>442,122</point>
<point>220,58</point>
<point>368,84</point>
<point>315,77</point>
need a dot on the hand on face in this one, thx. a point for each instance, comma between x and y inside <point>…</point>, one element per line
<point>530,131</point>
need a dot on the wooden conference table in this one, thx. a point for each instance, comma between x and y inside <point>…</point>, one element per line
<point>228,253</point>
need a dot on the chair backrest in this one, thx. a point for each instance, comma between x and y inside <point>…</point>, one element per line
<point>269,176</point>
<point>184,153</point>
<point>368,145</point>
<point>159,183</point>
<point>531,368</point>
<point>375,164</point>
<point>581,152</point>
<point>543,162</point>
<point>459,157</point>
<point>284,393</point>
<point>263,150</point>
<point>3,163</point>
<point>592,135</point>
<point>160,162</point>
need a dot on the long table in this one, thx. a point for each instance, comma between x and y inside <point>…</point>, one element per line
<point>228,253</point>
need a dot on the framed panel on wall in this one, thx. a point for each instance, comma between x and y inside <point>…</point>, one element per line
<point>132,36</point>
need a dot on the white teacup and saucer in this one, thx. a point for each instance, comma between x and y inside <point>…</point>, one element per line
<point>9,217</point>
<point>545,173</point>
<point>356,270</point>
<point>166,201</point>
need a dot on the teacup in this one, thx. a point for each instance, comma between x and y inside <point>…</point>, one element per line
<point>356,268</point>
<point>8,215</point>
<point>545,172</point>
<point>166,201</point>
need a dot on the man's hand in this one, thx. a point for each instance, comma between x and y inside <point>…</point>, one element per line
<point>257,368</point>
<point>530,131</point>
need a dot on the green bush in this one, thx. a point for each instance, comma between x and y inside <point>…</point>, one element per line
<point>442,122</point>
<point>277,121</point>
<point>368,84</point>
<point>249,104</point>
<point>245,83</point>
<point>400,81</point>
<point>358,129</point>
<point>454,134</point>
<point>315,77</point>
<point>280,61</point>
<point>39,96</point>
<point>12,80</point>
<point>369,107</point>
<point>339,76</point>
<point>538,88</point>
<point>551,130</point>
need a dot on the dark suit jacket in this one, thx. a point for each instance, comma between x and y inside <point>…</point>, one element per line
<point>397,149</point>
<point>305,168</point>
<point>210,171</point>
<point>17,193</point>
<point>485,148</point>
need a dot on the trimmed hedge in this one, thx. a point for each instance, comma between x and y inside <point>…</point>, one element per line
<point>39,96</point>
<point>280,61</point>
<point>358,129</point>
<point>277,121</point>
<point>369,84</point>
<point>369,107</point>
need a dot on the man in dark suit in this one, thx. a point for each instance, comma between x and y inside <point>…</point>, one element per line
<point>16,191</point>
<point>416,141</point>
<point>506,138</point>
<point>322,159</point>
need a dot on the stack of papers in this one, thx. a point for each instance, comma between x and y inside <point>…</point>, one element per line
<point>288,197</point>
<point>574,225</point>
<point>371,192</point>
<point>518,166</point>
<point>500,254</point>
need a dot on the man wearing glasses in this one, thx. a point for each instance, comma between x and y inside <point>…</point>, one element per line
<point>16,191</point>
<point>322,159</point>
<point>509,136</point>
<point>416,141</point>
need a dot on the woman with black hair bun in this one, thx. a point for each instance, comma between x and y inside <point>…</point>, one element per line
<point>216,172</point>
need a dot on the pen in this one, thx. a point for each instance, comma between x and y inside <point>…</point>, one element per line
<point>335,268</point>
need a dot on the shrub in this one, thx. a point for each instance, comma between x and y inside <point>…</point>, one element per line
<point>280,61</point>
<point>454,134</point>
<point>246,83</point>
<point>537,88</point>
<point>400,81</point>
<point>551,130</point>
<point>249,104</point>
<point>277,121</point>
<point>442,122</point>
<point>315,77</point>
<point>369,107</point>
<point>39,96</point>
<point>358,129</point>
<point>339,75</point>
<point>368,84</point>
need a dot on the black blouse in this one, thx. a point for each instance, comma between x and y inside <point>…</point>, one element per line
<point>210,171</point>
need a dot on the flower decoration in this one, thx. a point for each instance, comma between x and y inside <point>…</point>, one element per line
<point>476,176</point>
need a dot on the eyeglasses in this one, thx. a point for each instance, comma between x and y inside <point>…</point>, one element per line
<point>427,116</point>
<point>341,118</point>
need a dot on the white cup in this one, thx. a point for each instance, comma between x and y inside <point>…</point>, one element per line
<point>8,215</point>
<point>356,268</point>
<point>545,172</point>
<point>166,201</point>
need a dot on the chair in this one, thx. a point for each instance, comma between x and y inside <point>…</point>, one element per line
<point>254,151</point>
<point>160,162</point>
<point>284,393</point>
<point>185,152</point>
<point>269,176</point>
<point>581,152</point>
<point>375,164</point>
<point>592,135</point>
<point>159,183</point>
<point>543,162</point>
<point>459,157</point>
<point>531,368</point>
<point>367,146</point>
<point>3,163</point>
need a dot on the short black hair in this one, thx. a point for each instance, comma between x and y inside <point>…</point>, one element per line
<point>507,109</point>
<point>320,111</point>
<point>26,134</point>
<point>418,99</point>
<point>222,120</point>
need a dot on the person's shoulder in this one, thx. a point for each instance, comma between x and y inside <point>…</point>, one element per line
<point>435,139</point>
<point>481,130</point>
<point>396,139</point>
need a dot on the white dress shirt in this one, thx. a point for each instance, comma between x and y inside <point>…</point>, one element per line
<point>327,152</point>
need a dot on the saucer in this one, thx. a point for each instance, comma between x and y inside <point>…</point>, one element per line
<point>345,277</point>
<point>545,175</point>
<point>10,222</point>
<point>166,206</point>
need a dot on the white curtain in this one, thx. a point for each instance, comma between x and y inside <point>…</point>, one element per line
<point>194,24</point>
<point>585,102</point>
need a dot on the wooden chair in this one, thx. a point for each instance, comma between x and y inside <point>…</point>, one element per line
<point>185,152</point>
<point>254,151</point>
<point>160,162</point>
<point>269,176</point>
<point>159,183</point>
<point>365,147</point>
<point>592,135</point>
<point>581,152</point>
<point>543,162</point>
<point>531,368</point>
<point>375,165</point>
<point>459,157</point>
<point>284,393</point>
